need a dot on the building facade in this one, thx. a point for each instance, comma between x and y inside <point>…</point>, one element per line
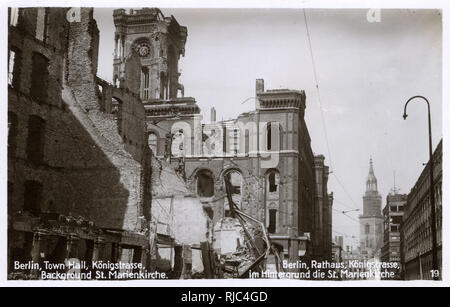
<point>78,161</point>
<point>416,225</point>
<point>371,221</point>
<point>393,214</point>
<point>266,152</point>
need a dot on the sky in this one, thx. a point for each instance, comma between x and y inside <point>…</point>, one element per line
<point>365,73</point>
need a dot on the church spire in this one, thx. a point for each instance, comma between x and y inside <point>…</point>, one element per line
<point>371,183</point>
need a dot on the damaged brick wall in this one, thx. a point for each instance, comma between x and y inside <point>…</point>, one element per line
<point>88,168</point>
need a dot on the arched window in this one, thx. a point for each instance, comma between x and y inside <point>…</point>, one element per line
<point>273,187</point>
<point>177,144</point>
<point>367,229</point>
<point>269,136</point>
<point>205,184</point>
<point>153,142</point>
<point>145,84</point>
<point>247,142</point>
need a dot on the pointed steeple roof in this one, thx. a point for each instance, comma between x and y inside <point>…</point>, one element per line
<point>371,182</point>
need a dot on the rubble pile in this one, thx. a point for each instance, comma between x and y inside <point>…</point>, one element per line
<point>235,263</point>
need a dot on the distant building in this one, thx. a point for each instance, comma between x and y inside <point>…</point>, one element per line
<point>416,226</point>
<point>393,213</point>
<point>371,221</point>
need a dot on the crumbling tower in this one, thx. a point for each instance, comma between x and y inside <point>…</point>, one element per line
<point>159,42</point>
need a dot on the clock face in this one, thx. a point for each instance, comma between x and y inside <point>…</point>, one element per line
<point>143,49</point>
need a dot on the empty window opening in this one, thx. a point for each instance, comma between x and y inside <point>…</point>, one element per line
<point>153,142</point>
<point>235,179</point>
<point>13,68</point>
<point>42,24</point>
<point>225,140</point>
<point>272,221</point>
<point>205,184</point>
<point>145,84</point>
<point>14,16</point>
<point>32,196</point>
<point>273,187</point>
<point>35,142</point>
<point>39,77</point>
<point>177,144</point>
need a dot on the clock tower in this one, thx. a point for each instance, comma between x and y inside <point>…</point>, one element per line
<point>158,42</point>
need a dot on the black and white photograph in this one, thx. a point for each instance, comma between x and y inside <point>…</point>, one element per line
<point>153,142</point>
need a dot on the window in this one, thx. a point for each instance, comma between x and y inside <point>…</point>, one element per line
<point>247,142</point>
<point>35,142</point>
<point>10,195</point>
<point>42,24</point>
<point>225,140</point>
<point>13,67</point>
<point>394,228</point>
<point>205,184</point>
<point>177,144</point>
<point>273,187</point>
<point>145,84</point>
<point>367,229</point>
<point>235,141</point>
<point>153,142</point>
<point>269,136</point>
<point>39,77</point>
<point>32,196</point>
<point>14,16</point>
<point>12,133</point>
<point>272,221</point>
<point>273,136</point>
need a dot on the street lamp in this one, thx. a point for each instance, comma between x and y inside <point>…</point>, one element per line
<point>433,211</point>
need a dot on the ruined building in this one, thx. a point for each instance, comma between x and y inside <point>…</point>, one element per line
<point>79,168</point>
<point>266,152</point>
<point>371,221</point>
